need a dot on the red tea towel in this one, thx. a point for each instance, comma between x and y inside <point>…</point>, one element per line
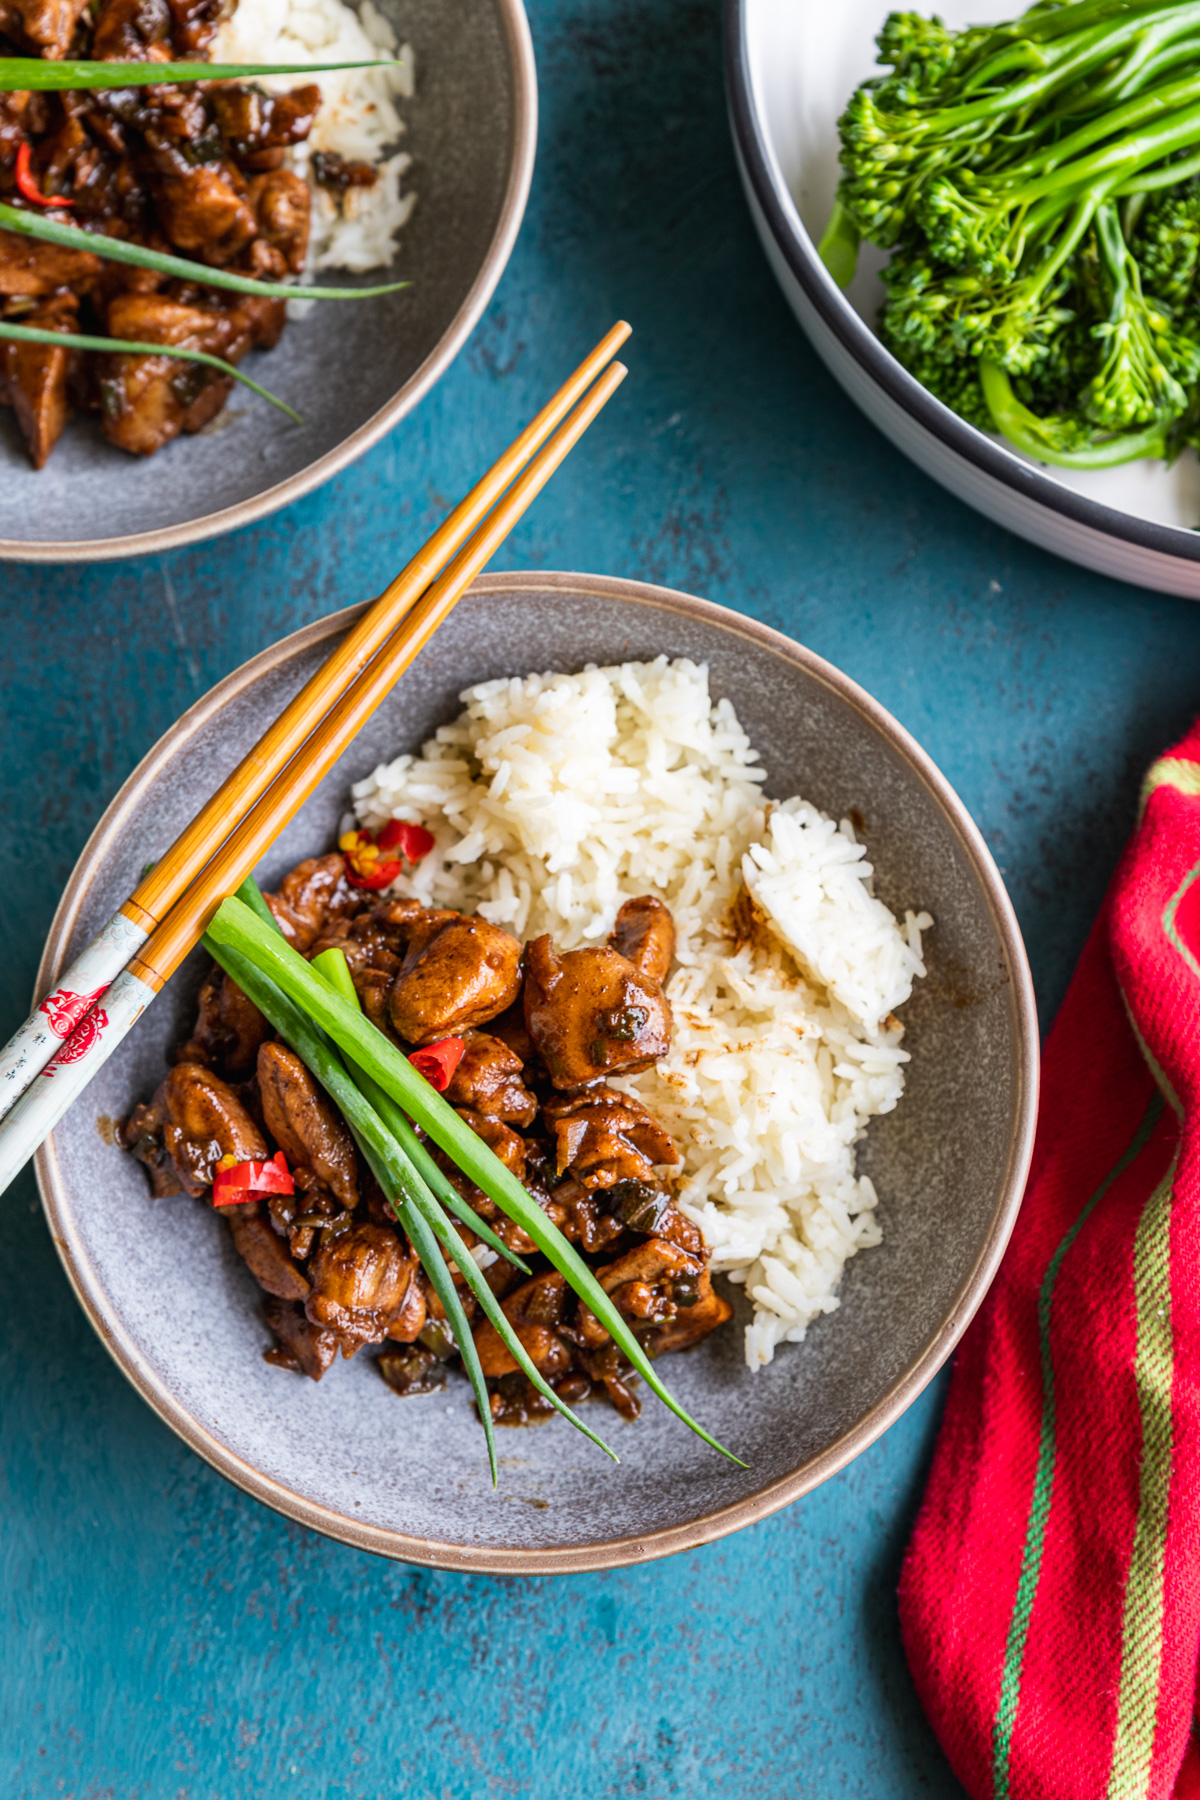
<point>1050,1597</point>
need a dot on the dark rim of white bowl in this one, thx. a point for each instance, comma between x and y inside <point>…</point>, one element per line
<point>973,446</point>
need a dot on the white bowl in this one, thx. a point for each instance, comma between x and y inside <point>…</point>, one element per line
<point>791,65</point>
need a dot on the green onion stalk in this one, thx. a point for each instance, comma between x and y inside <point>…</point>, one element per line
<point>73,340</point>
<point>73,237</point>
<point>238,927</point>
<point>417,1209</point>
<point>333,968</point>
<point>25,74</point>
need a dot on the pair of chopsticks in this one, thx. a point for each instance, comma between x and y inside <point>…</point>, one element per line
<point>99,998</point>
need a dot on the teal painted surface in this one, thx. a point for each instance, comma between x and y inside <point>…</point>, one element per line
<point>167,1639</point>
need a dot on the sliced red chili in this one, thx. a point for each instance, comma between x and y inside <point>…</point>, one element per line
<point>369,855</point>
<point>412,841</point>
<point>27,185</point>
<point>236,1182</point>
<point>437,1062</point>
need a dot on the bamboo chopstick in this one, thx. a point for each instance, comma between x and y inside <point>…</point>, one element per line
<point>236,858</point>
<point>81,985</point>
<point>103,1026</point>
<point>158,891</point>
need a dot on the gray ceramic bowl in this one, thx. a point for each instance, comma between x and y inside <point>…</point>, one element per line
<point>352,368</point>
<point>163,1286</point>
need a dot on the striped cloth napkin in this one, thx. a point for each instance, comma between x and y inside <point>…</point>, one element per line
<point>1050,1597</point>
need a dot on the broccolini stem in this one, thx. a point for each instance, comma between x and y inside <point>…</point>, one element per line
<point>1039,437</point>
<point>1155,104</point>
<point>838,248</point>
<point>1074,58</point>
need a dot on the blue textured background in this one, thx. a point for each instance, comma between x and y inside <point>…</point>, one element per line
<point>167,1639</point>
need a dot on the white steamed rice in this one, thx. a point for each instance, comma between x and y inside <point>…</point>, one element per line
<point>358,117</point>
<point>555,798</point>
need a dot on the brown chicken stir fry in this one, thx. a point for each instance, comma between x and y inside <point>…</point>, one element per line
<point>541,1033</point>
<point>197,172</point>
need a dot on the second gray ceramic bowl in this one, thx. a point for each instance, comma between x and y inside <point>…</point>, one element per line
<point>352,368</point>
<point>163,1286</point>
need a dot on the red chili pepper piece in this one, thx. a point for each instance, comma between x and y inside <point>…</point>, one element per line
<point>412,841</point>
<point>437,1062</point>
<point>236,1182</point>
<point>27,187</point>
<point>368,864</point>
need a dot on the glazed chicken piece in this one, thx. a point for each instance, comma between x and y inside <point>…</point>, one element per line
<point>360,1281</point>
<point>457,973</point>
<point>302,1346</point>
<point>488,1081</point>
<point>229,1028</point>
<point>691,1323</point>
<point>280,201</point>
<point>657,1284</point>
<point>590,1013</point>
<point>311,898</point>
<point>510,1147</point>
<point>308,1129</point>
<point>604,1137</point>
<point>199,1120</point>
<point>132,31</point>
<point>259,126</point>
<point>582,1217</point>
<point>34,270</point>
<point>509,1027</point>
<point>148,400</point>
<point>33,377</point>
<point>264,1254</point>
<point>644,933</point>
<point>407,1325</point>
<point>534,1310</point>
<point>500,1139</point>
<point>193,26</point>
<point>42,27</point>
<point>205,210</point>
<point>374,950</point>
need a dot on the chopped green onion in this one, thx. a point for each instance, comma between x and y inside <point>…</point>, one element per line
<point>234,924</point>
<point>251,895</point>
<point>382,1153</point>
<point>74,237</point>
<point>388,1164</point>
<point>73,340</point>
<point>332,966</point>
<point>472,1274</point>
<point>21,74</point>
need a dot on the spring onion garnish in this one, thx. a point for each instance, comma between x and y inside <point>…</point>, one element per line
<point>74,237</point>
<point>414,1204</point>
<point>20,74</point>
<point>447,1235</point>
<point>33,334</point>
<point>235,925</point>
<point>333,967</point>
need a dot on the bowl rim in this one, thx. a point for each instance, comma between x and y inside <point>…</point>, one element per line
<point>519,44</point>
<point>704,1527</point>
<point>856,337</point>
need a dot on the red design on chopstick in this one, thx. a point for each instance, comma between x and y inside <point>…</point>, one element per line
<point>27,185</point>
<point>72,1018</point>
<point>65,1010</point>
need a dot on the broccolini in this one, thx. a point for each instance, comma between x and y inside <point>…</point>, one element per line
<point>1038,185</point>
